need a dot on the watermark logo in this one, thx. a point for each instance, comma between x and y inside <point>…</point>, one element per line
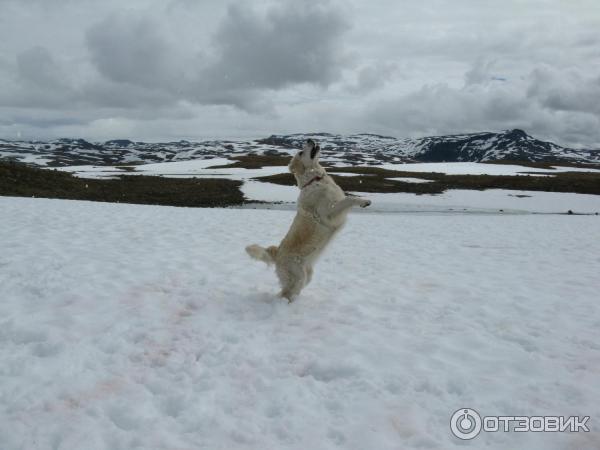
<point>466,423</point>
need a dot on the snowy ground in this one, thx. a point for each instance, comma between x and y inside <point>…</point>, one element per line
<point>473,168</point>
<point>144,327</point>
<point>490,201</point>
<point>494,201</point>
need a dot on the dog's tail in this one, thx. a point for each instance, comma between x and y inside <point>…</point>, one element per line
<point>266,255</point>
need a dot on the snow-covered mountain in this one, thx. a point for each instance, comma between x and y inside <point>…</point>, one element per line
<point>349,149</point>
<point>476,147</point>
<point>70,152</point>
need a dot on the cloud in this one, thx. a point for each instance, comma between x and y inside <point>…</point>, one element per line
<point>296,42</point>
<point>553,104</point>
<point>566,90</point>
<point>35,79</point>
<point>252,51</point>
<point>482,71</point>
<point>269,66</point>
<point>130,48</point>
<point>373,76</point>
<point>37,68</point>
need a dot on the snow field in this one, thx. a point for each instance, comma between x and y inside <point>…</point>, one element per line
<point>127,326</point>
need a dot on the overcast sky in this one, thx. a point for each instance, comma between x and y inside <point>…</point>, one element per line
<point>185,69</point>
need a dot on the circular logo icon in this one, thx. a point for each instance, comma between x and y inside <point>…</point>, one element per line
<point>465,423</point>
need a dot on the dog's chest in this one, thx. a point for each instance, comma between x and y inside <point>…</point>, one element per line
<point>320,194</point>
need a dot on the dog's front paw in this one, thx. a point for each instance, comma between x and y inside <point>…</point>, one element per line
<point>365,203</point>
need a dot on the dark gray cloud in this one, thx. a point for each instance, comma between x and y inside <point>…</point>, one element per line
<point>34,79</point>
<point>36,67</point>
<point>296,42</point>
<point>566,90</point>
<point>129,48</point>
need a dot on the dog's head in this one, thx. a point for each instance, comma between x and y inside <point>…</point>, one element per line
<point>306,159</point>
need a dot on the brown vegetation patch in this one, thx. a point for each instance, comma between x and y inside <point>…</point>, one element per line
<point>254,161</point>
<point>22,181</point>
<point>375,179</point>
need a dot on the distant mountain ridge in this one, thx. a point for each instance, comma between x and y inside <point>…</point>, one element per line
<point>365,149</point>
<point>474,147</point>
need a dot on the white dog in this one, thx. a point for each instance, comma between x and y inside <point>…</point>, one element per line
<point>322,211</point>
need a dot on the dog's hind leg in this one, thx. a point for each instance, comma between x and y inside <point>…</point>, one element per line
<point>293,278</point>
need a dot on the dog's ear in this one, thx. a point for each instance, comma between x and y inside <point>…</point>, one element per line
<point>316,149</point>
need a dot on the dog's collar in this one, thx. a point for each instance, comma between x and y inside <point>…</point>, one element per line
<point>317,178</point>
